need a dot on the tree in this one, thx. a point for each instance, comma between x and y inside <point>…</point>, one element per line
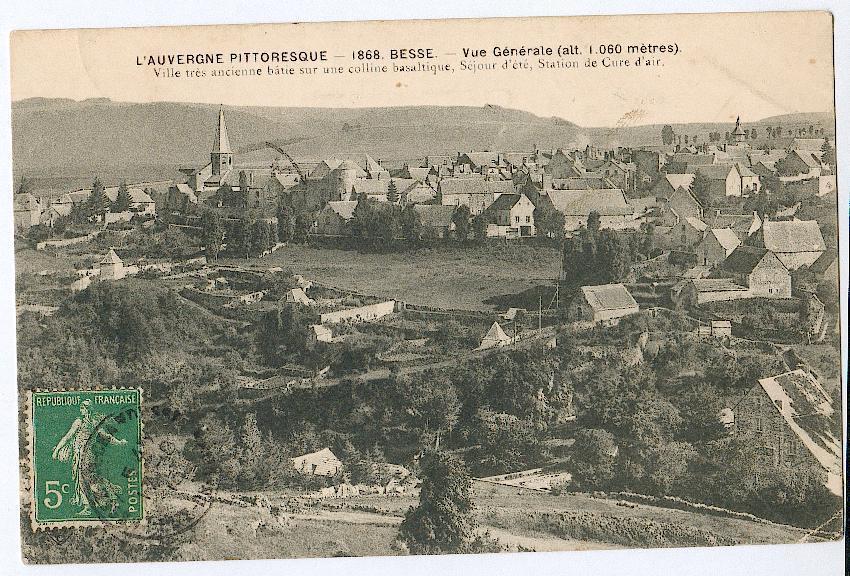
<point>213,234</point>
<point>273,237</point>
<point>301,229</point>
<point>827,153</point>
<point>384,227</point>
<point>432,402</point>
<point>259,237</point>
<point>460,219</point>
<point>411,224</point>
<point>97,202</point>
<point>24,185</point>
<point>122,200</point>
<point>243,183</point>
<point>701,189</point>
<point>239,238</point>
<point>444,521</point>
<point>667,135</point>
<point>392,192</point>
<point>593,458</point>
<point>549,221</point>
<point>479,228</point>
<point>285,223</point>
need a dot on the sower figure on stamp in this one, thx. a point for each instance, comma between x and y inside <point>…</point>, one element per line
<point>87,481</point>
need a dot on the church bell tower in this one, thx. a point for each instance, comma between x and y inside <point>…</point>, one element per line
<point>221,155</point>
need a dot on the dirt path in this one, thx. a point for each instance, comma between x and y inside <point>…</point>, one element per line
<point>349,517</point>
<point>542,542</point>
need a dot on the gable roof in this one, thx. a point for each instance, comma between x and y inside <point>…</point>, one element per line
<point>741,223</point>
<point>495,337</point>
<point>716,171</point>
<point>581,183</point>
<point>808,157</point>
<point>791,236</point>
<point>726,237</point>
<point>505,202</point>
<point>608,297</point>
<point>321,463</point>
<point>742,260</point>
<point>693,159</point>
<point>605,201</point>
<point>111,258</point>
<point>716,285</point>
<point>807,144</point>
<point>343,208</point>
<point>807,410</point>
<point>470,185</point>
<point>680,180</point>
<point>824,261</point>
<point>695,223</point>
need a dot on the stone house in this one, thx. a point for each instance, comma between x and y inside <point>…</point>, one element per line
<point>510,216</point>
<point>605,303</point>
<point>789,417</point>
<point>757,269</point>
<point>717,244</point>
<point>795,242</point>
<point>331,219</point>
<point>614,210</point>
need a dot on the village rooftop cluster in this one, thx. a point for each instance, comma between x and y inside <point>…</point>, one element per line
<point>731,235</point>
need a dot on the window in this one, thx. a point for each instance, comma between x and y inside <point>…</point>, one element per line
<point>516,218</point>
<point>528,219</point>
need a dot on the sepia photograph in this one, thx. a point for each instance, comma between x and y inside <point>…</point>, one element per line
<point>427,287</point>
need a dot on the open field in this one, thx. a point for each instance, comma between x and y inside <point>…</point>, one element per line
<point>445,277</point>
<point>367,525</point>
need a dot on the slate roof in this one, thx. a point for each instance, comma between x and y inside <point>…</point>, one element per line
<point>742,224</point>
<point>499,186</point>
<point>823,262</point>
<point>137,195</point>
<point>471,185</point>
<point>504,202</point>
<point>807,144</point>
<point>483,158</point>
<point>742,260</point>
<point>788,236</point>
<point>378,187</point>
<point>715,172</point>
<point>716,285</point>
<point>577,183</point>
<point>608,297</point>
<point>808,157</point>
<point>693,159</point>
<point>605,201</point>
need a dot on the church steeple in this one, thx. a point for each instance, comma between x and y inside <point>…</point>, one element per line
<point>221,155</point>
<point>738,134</point>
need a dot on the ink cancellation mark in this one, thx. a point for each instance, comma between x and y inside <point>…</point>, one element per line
<point>85,457</point>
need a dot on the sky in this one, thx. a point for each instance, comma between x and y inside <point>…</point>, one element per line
<point>728,65</point>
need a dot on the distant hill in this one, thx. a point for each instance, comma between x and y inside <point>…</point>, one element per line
<point>70,140</point>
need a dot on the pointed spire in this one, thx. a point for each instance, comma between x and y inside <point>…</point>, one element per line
<point>221,145</point>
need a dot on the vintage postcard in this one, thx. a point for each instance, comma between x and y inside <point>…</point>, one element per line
<point>426,287</point>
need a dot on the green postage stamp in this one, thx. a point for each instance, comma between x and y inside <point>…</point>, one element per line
<point>85,457</point>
